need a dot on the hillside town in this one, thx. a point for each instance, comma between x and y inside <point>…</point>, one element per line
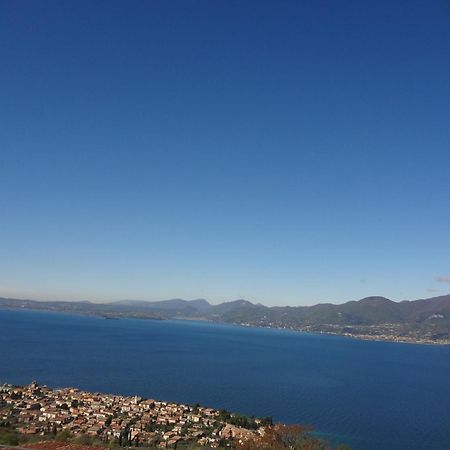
<point>118,420</point>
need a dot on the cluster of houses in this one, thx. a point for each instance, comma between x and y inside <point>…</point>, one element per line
<point>126,421</point>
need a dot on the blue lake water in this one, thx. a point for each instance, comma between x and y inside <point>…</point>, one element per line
<point>370,395</point>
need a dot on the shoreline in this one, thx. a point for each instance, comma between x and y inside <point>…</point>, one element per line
<point>362,337</point>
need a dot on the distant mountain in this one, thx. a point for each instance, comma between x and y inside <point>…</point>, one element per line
<point>425,320</point>
<point>175,303</point>
<point>227,307</point>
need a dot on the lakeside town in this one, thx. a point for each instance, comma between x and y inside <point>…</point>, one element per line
<point>115,420</point>
<point>383,333</point>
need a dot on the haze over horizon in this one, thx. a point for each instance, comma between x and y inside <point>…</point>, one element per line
<point>309,303</point>
<point>284,153</point>
<point>213,303</point>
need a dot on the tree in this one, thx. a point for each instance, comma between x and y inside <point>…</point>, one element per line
<point>112,444</point>
<point>63,435</point>
<point>8,438</point>
<point>286,437</point>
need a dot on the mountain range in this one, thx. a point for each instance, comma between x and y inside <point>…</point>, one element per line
<point>424,320</point>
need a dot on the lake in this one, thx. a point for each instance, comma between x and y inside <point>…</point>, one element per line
<point>370,395</point>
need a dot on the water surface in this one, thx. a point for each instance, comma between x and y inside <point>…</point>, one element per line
<point>371,395</point>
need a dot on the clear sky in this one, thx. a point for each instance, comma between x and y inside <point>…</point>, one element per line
<point>286,152</point>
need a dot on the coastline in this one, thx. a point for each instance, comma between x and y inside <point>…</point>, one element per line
<point>362,337</point>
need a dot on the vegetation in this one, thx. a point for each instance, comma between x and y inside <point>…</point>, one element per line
<point>288,437</point>
<point>63,435</point>
<point>8,436</point>
<point>277,437</point>
<point>250,423</point>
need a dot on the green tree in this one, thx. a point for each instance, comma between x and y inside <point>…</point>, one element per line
<point>63,435</point>
<point>8,438</point>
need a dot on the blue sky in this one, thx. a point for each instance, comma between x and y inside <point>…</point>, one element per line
<point>284,152</point>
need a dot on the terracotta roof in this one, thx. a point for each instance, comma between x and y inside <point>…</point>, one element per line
<point>58,445</point>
